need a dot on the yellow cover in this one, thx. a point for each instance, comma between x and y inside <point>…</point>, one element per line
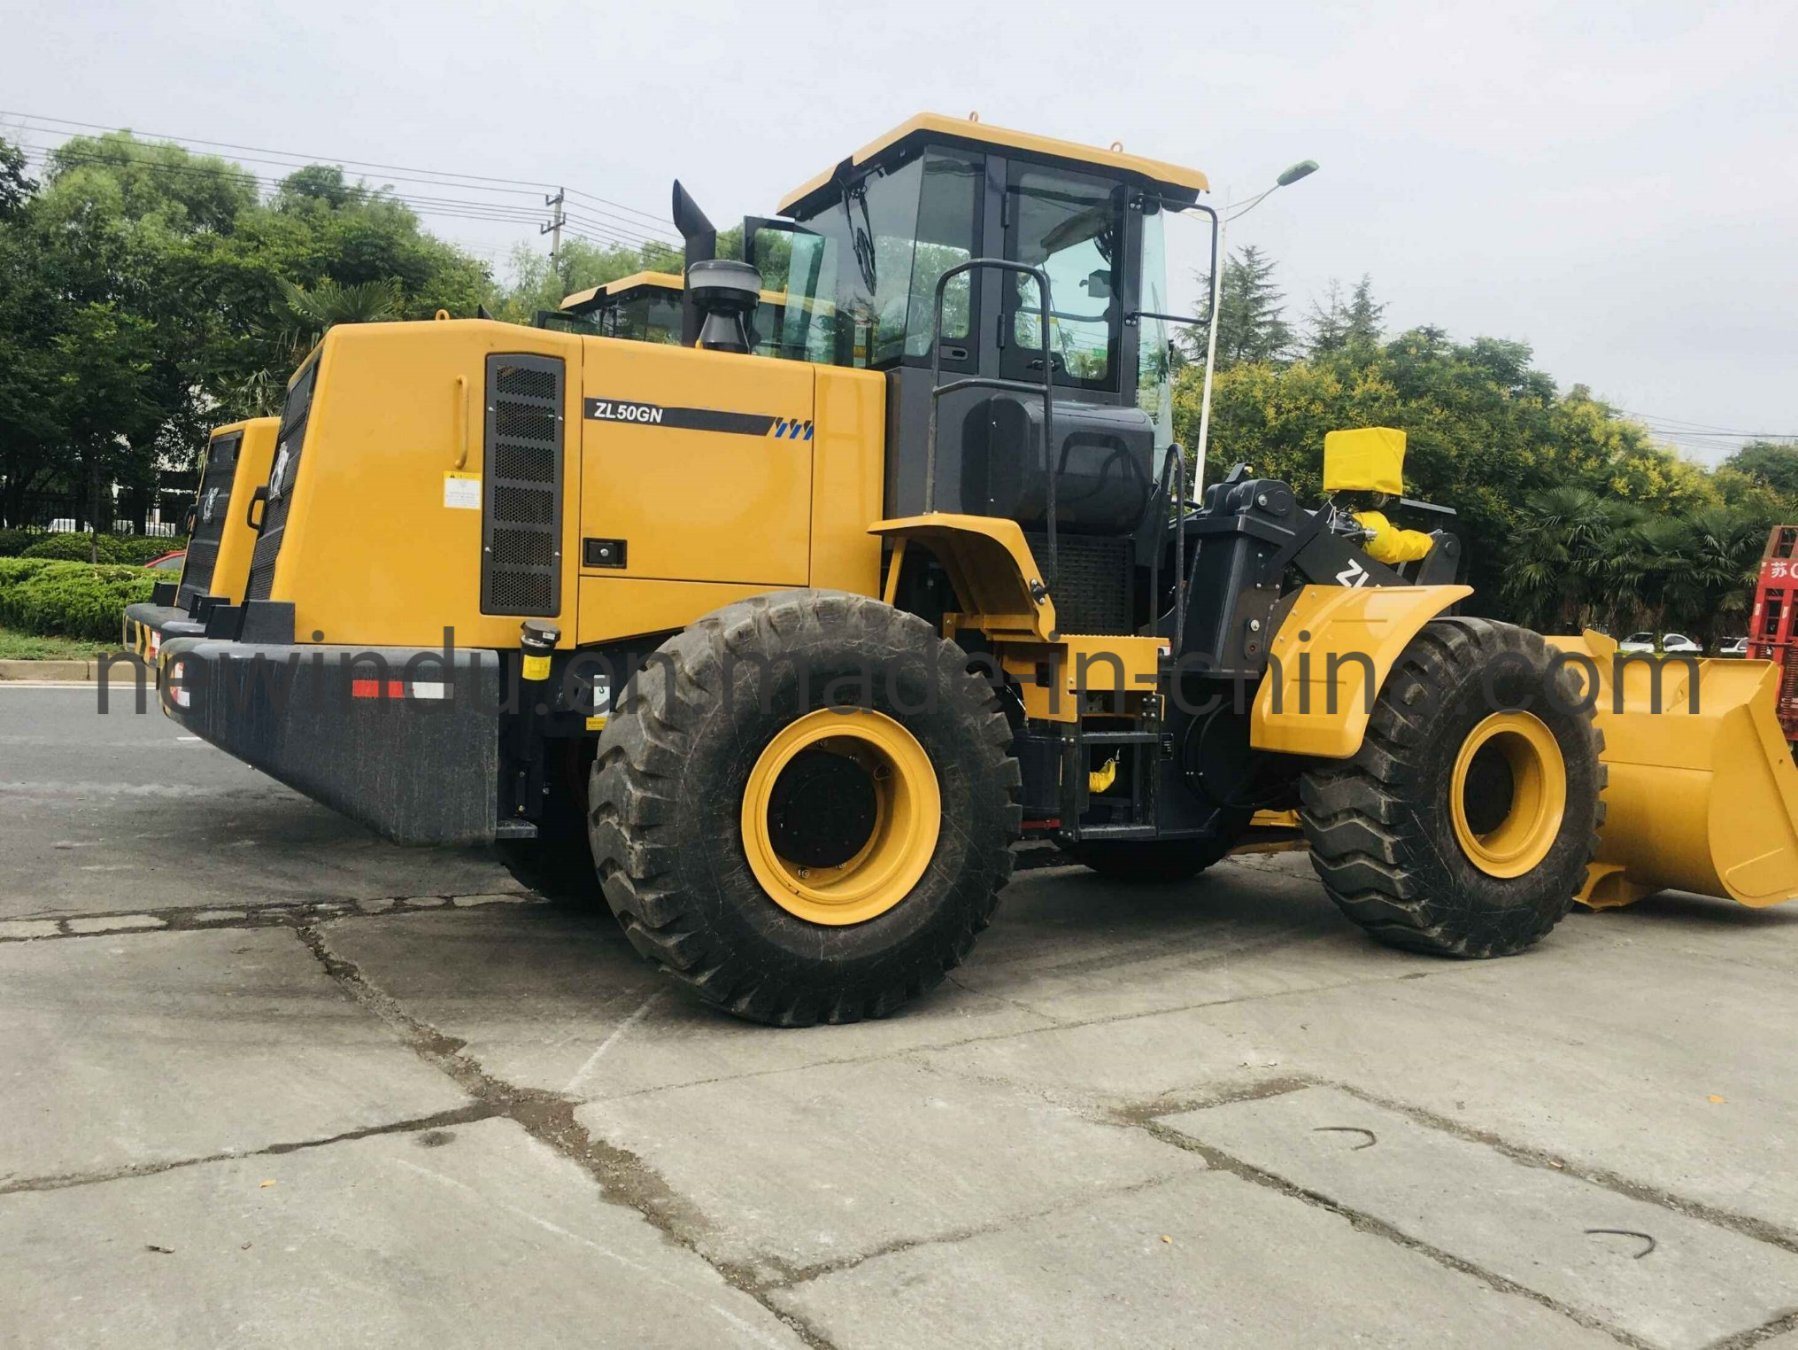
<point>1367,459</point>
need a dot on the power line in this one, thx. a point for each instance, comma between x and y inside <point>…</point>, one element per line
<point>599,233</point>
<point>367,164</point>
<point>432,177</point>
<point>498,210</point>
<point>1707,428</point>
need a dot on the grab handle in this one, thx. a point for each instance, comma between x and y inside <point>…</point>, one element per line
<point>461,411</point>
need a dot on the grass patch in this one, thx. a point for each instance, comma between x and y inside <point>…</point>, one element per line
<point>17,646</point>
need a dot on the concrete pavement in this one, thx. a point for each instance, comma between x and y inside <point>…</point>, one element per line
<point>270,1081</point>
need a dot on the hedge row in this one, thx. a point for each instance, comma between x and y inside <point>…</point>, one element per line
<point>69,599</point>
<point>131,549</point>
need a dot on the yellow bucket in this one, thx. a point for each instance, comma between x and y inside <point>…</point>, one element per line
<point>1703,800</point>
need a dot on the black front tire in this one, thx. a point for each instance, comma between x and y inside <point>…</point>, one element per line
<point>668,789</point>
<point>1380,826</point>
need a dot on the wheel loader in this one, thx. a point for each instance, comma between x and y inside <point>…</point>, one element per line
<point>646,306</point>
<point>221,537</point>
<point>792,649</point>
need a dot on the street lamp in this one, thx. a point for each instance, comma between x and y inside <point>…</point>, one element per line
<point>1303,169</point>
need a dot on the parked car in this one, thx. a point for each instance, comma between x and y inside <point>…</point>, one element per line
<point>1675,644</point>
<point>1733,647</point>
<point>168,562</point>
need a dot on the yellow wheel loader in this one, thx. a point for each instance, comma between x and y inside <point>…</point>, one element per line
<point>793,648</point>
<point>646,307</point>
<point>221,537</point>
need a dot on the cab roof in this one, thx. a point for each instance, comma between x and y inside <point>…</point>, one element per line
<point>661,281</point>
<point>935,127</point>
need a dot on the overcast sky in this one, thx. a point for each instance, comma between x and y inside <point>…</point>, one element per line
<point>1616,184</point>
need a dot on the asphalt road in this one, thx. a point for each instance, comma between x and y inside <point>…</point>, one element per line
<point>269,1081</point>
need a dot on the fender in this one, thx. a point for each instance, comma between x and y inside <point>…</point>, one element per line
<point>995,576</point>
<point>1329,660</point>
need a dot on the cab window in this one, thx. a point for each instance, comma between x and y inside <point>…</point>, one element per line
<point>1072,227</point>
<point>862,273</point>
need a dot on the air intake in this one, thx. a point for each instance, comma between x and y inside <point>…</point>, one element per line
<point>726,294</point>
<point>521,534</point>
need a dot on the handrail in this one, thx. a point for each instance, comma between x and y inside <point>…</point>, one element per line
<point>1175,459</point>
<point>938,389</point>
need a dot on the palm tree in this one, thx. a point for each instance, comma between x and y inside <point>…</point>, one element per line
<point>1725,556</point>
<point>1554,574</point>
<point>309,314</point>
<point>1615,565</point>
<point>330,303</point>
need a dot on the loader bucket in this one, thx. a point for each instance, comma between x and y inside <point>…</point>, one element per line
<point>1701,800</point>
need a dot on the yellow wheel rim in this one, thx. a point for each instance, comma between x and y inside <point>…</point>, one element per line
<point>1508,794</point>
<point>891,779</point>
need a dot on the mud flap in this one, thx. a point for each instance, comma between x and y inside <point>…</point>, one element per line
<point>1703,793</point>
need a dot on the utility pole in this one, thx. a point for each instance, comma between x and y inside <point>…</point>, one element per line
<point>554,231</point>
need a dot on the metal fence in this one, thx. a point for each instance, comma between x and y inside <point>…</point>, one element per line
<point>156,513</point>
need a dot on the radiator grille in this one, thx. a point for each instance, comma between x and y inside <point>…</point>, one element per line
<point>210,512</point>
<point>521,553</point>
<point>1093,576</point>
<point>283,475</point>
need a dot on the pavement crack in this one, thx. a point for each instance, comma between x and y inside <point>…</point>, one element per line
<point>1755,1335</point>
<point>1367,1223</point>
<point>223,917</point>
<point>461,1115</point>
<point>1758,1229</point>
<point>790,1275</point>
<point>622,1177</point>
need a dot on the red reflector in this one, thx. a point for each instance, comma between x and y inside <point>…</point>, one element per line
<point>376,689</point>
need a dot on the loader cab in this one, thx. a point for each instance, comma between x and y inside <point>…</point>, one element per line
<point>643,307</point>
<point>861,248</point>
<point>646,307</point>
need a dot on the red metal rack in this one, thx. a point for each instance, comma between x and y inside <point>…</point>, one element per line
<point>1773,628</point>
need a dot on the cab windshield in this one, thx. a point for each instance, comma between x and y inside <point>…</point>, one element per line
<point>650,315</point>
<point>864,269</point>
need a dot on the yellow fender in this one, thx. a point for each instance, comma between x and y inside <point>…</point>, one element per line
<point>990,566</point>
<point>1329,660</point>
<point>1703,800</point>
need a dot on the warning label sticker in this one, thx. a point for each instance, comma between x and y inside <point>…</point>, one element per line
<point>462,491</point>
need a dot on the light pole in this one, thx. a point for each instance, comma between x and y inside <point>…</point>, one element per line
<point>1303,169</point>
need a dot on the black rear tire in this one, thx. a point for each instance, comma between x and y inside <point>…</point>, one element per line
<point>675,763</point>
<point>1381,826</point>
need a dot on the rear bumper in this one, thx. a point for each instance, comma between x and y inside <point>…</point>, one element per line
<point>398,739</point>
<point>149,625</point>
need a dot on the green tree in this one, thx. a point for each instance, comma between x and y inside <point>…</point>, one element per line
<point>157,281</point>
<point>15,187</point>
<point>1773,463</point>
<point>1337,323</point>
<point>1485,428</point>
<point>1251,323</point>
<point>539,285</point>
